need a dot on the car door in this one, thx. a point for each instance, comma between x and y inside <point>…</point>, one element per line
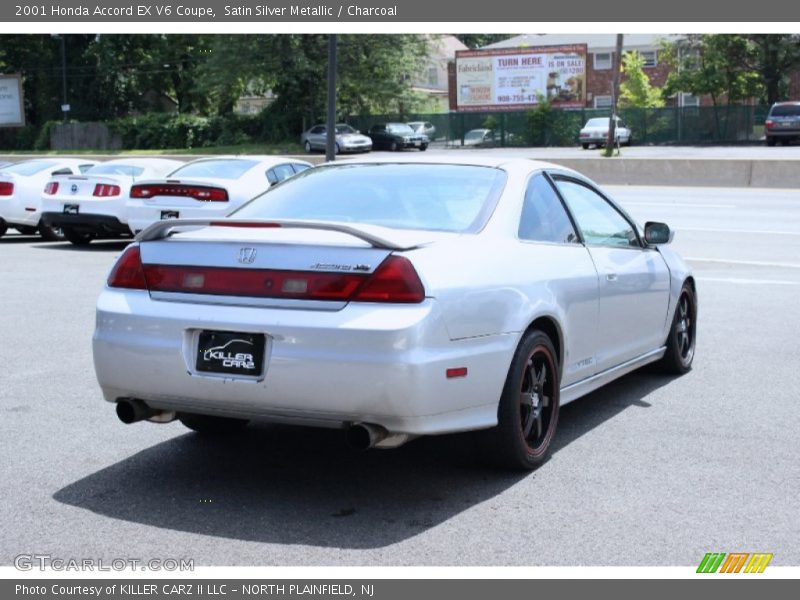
<point>633,279</point>
<point>316,137</point>
<point>378,136</point>
<point>562,269</point>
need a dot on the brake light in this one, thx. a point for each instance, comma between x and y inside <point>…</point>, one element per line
<point>6,188</point>
<point>51,188</point>
<point>769,124</point>
<point>198,192</point>
<point>395,280</point>
<point>104,190</point>
<point>128,272</point>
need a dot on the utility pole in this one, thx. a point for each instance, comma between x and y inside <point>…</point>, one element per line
<point>330,127</point>
<point>612,120</point>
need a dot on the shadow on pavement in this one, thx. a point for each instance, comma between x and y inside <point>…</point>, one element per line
<point>288,485</point>
<point>95,246</point>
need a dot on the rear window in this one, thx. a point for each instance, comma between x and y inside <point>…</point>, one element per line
<point>107,169</point>
<point>457,198</point>
<point>30,168</point>
<point>219,169</point>
<point>785,110</point>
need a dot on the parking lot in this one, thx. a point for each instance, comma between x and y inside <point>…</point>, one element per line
<point>650,470</point>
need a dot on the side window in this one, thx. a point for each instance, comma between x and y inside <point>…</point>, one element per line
<point>318,130</point>
<point>279,173</point>
<point>272,177</point>
<point>599,222</point>
<point>300,167</point>
<point>543,216</point>
<point>84,168</point>
<point>64,171</point>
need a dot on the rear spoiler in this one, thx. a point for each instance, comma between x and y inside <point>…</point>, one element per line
<point>164,229</point>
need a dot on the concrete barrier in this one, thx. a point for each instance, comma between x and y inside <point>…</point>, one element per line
<point>717,172</point>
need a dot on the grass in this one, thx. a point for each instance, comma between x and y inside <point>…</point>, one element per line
<point>284,148</point>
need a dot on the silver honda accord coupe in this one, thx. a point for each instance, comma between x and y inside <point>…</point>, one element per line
<point>394,299</point>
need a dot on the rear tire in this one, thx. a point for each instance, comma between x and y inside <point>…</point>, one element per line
<point>682,335</point>
<point>208,425</point>
<point>78,238</point>
<point>308,147</point>
<point>585,146</point>
<point>3,227</point>
<point>51,234</point>
<point>770,141</point>
<point>423,147</point>
<point>528,411</point>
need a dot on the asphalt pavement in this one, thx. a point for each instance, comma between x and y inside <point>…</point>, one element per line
<point>651,470</point>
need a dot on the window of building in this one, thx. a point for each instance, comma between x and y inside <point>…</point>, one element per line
<point>433,76</point>
<point>686,100</point>
<point>602,101</point>
<point>602,60</point>
<point>650,58</point>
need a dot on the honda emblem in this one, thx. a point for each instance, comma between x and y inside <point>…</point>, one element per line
<point>247,255</point>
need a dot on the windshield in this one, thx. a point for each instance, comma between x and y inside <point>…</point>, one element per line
<point>786,110</point>
<point>475,134</point>
<point>345,129</point>
<point>30,168</point>
<point>111,169</point>
<point>437,197</point>
<point>232,168</point>
<point>400,129</point>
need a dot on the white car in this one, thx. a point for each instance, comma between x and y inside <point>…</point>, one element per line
<point>395,299</point>
<point>595,133</point>
<point>21,188</point>
<point>207,188</point>
<point>94,204</point>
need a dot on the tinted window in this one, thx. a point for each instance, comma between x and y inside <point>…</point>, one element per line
<point>30,168</point>
<point>318,129</point>
<point>785,110</point>
<point>299,167</point>
<point>599,222</point>
<point>402,196</point>
<point>279,173</point>
<point>543,216</point>
<point>115,169</point>
<point>85,168</point>
<point>345,129</point>
<point>400,129</point>
<point>220,169</point>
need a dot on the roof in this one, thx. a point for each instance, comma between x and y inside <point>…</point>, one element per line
<point>475,159</point>
<point>597,42</point>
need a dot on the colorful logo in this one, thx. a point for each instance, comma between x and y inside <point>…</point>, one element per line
<point>735,562</point>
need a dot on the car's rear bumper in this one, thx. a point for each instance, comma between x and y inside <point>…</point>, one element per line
<point>783,133</point>
<point>365,363</point>
<point>87,222</point>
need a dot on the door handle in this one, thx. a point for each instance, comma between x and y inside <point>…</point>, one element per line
<point>611,276</point>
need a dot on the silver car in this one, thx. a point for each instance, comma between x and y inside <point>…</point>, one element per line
<point>394,298</point>
<point>425,127</point>
<point>348,139</point>
<point>595,132</point>
<point>783,123</point>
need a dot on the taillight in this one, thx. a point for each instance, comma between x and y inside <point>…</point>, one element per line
<point>395,280</point>
<point>104,190</point>
<point>6,188</point>
<point>128,272</point>
<point>769,124</point>
<point>198,192</point>
<point>51,188</point>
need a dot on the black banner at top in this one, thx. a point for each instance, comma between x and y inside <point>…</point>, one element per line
<point>397,11</point>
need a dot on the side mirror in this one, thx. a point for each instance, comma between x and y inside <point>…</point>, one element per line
<point>656,233</point>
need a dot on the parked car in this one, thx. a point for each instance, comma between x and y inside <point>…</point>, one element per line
<point>425,127</point>
<point>93,205</point>
<point>783,123</point>
<point>348,139</point>
<point>480,138</point>
<point>397,136</point>
<point>207,188</point>
<point>393,299</point>
<point>595,132</point>
<point>21,188</point>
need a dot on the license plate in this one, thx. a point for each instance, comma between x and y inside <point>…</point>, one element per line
<point>71,209</point>
<point>231,353</point>
<point>170,214</point>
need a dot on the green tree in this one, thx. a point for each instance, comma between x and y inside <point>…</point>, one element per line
<point>636,91</point>
<point>776,56</point>
<point>479,40</point>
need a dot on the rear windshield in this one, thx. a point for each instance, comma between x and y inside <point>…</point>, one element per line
<point>107,169</point>
<point>456,198</point>
<point>221,169</point>
<point>599,122</point>
<point>29,168</point>
<point>785,110</point>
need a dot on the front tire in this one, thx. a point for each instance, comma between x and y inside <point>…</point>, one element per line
<point>78,238</point>
<point>423,147</point>
<point>51,234</point>
<point>528,411</point>
<point>208,425</point>
<point>393,147</point>
<point>682,335</point>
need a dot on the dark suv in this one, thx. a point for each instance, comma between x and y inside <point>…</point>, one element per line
<point>783,123</point>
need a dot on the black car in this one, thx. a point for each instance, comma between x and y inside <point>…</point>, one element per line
<point>783,123</point>
<point>396,136</point>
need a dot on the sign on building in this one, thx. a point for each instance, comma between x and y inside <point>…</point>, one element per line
<point>12,113</point>
<point>517,78</point>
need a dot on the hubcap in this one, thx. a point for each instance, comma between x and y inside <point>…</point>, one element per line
<point>536,400</point>
<point>684,329</point>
